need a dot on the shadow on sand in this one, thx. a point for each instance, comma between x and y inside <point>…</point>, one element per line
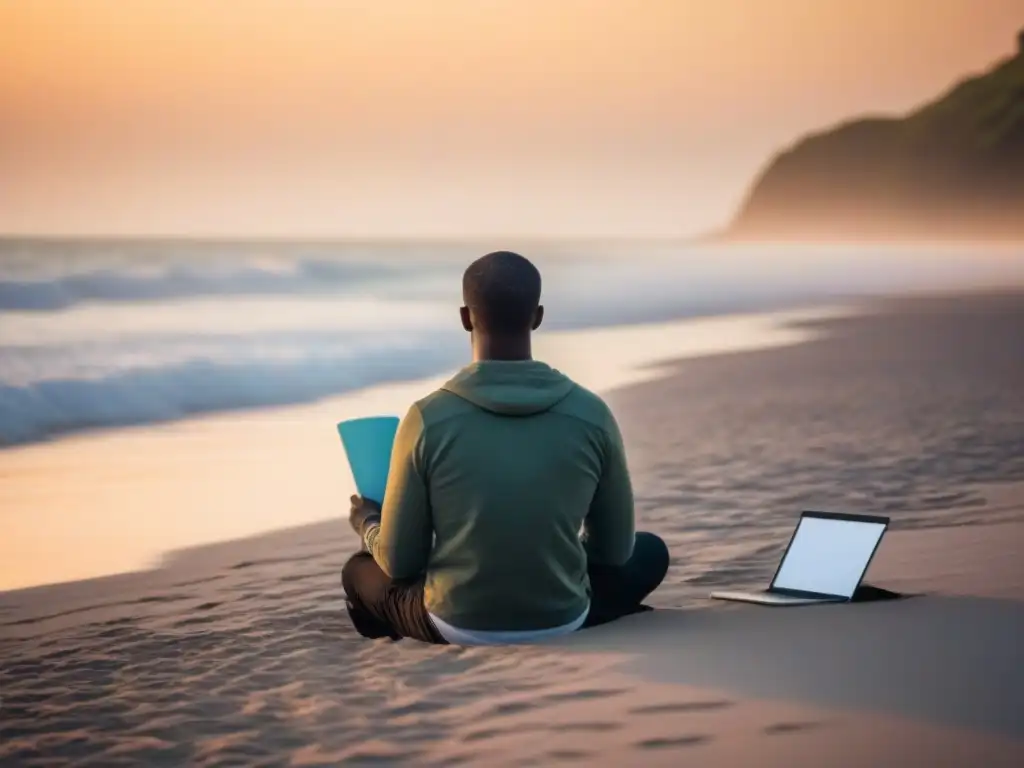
<point>955,661</point>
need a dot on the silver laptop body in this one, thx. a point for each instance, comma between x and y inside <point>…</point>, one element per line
<point>825,561</point>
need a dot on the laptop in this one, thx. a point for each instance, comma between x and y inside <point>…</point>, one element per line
<point>826,559</point>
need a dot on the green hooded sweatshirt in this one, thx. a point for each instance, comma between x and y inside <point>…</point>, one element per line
<point>503,484</point>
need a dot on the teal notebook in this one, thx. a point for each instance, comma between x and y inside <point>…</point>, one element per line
<point>368,442</point>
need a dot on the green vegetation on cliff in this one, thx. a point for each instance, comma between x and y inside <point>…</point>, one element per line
<point>951,169</point>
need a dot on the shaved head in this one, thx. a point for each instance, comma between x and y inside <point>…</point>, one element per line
<point>502,292</point>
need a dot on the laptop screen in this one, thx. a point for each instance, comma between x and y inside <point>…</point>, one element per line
<point>828,556</point>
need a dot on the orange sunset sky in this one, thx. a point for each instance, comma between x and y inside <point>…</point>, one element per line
<point>439,118</point>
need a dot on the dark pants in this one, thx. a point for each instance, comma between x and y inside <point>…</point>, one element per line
<point>380,607</point>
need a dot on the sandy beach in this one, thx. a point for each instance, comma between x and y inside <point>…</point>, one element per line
<point>238,652</point>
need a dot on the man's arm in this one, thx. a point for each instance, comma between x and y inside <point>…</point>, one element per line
<point>401,543</point>
<point>609,528</point>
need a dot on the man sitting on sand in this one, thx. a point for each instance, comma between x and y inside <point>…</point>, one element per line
<point>508,514</point>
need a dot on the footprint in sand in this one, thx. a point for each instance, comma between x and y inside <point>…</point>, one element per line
<point>194,582</point>
<point>583,695</point>
<point>778,728</point>
<point>490,733</point>
<point>596,727</point>
<point>677,741</point>
<point>512,708</point>
<point>682,706</point>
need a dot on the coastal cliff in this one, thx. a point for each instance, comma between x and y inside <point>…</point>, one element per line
<point>952,169</point>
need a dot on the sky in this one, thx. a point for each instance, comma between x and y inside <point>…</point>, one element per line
<point>443,118</point>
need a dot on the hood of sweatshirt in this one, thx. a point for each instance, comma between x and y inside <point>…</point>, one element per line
<point>511,387</point>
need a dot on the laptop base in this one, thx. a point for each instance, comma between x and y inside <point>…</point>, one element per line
<point>766,597</point>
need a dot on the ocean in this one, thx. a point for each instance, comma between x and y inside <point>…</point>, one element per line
<point>101,334</point>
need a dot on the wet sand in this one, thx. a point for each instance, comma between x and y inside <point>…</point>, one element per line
<point>238,653</point>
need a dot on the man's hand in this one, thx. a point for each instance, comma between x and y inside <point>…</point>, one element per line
<point>365,514</point>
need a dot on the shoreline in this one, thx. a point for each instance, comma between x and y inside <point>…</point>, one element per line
<point>159,489</point>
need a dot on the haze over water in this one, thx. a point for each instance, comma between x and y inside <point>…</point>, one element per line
<point>100,334</point>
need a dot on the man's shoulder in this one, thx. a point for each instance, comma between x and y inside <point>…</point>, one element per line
<point>586,406</point>
<point>441,405</point>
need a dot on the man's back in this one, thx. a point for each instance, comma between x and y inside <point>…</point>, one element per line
<point>506,463</point>
<point>508,514</point>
